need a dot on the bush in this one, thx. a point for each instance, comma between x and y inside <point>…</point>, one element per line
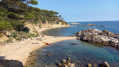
<point>17,25</point>
<point>13,15</point>
<point>2,14</point>
<point>19,38</point>
<point>29,16</point>
<point>1,35</point>
<point>14,35</point>
<point>4,25</point>
<point>9,40</point>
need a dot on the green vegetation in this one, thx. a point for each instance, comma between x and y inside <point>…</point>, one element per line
<point>1,35</point>
<point>5,25</point>
<point>14,13</point>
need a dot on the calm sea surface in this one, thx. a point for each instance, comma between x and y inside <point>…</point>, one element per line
<point>112,26</point>
<point>82,53</point>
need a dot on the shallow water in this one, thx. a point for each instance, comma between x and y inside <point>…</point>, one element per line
<point>80,54</point>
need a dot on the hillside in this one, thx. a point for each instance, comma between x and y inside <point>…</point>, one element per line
<point>17,15</point>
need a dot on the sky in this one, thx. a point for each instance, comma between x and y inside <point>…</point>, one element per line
<point>83,10</point>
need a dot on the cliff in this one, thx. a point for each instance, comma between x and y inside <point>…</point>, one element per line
<point>32,30</point>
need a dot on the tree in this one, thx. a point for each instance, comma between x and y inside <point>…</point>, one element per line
<point>17,5</point>
<point>4,25</point>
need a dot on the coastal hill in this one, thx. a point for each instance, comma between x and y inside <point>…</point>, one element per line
<point>20,20</point>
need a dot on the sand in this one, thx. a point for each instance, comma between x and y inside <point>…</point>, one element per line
<point>20,50</point>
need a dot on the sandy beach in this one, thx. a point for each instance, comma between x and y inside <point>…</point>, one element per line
<point>20,50</point>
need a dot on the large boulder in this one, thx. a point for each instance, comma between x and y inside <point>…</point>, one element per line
<point>99,36</point>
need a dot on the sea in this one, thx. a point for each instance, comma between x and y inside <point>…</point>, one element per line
<point>83,52</point>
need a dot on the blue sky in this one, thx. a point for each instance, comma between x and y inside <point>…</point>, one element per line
<point>83,10</point>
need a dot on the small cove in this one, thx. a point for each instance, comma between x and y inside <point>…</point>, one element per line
<point>82,53</point>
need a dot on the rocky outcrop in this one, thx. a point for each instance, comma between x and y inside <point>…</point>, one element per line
<point>53,25</point>
<point>91,24</point>
<point>87,25</point>
<point>99,36</point>
<point>34,28</point>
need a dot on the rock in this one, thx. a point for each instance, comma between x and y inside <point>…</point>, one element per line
<point>89,65</point>
<point>95,65</point>
<point>86,25</point>
<point>68,60</point>
<point>105,64</point>
<point>97,36</point>
<point>59,64</point>
<point>64,61</point>
<point>90,24</point>
<point>70,65</point>
<point>48,55</point>
<point>73,43</point>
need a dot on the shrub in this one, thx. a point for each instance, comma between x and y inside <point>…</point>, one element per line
<point>29,16</point>
<point>1,35</point>
<point>9,40</point>
<point>13,15</point>
<point>19,38</point>
<point>3,14</point>
<point>4,25</point>
<point>14,35</point>
<point>17,25</point>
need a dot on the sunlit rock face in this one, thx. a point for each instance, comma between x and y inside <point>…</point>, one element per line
<point>99,36</point>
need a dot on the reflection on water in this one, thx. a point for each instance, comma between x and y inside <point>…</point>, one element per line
<point>80,54</point>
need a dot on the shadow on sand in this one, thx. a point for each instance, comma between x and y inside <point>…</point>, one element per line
<point>9,63</point>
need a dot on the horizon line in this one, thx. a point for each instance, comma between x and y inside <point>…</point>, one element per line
<point>93,21</point>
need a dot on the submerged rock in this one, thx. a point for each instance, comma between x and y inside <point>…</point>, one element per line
<point>89,65</point>
<point>69,60</point>
<point>94,65</point>
<point>59,64</point>
<point>66,63</point>
<point>48,55</point>
<point>99,36</point>
<point>73,43</point>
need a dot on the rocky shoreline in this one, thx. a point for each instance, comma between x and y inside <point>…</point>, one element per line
<point>103,37</point>
<point>67,63</point>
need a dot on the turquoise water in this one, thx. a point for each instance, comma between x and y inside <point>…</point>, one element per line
<point>82,53</point>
